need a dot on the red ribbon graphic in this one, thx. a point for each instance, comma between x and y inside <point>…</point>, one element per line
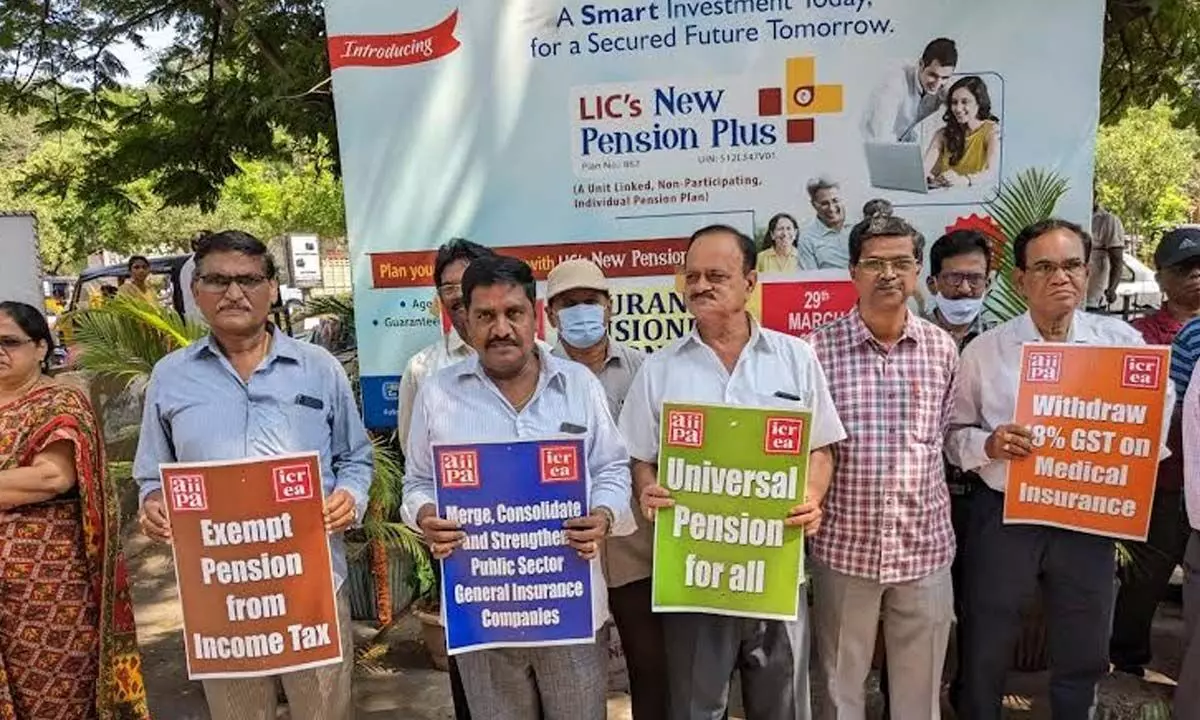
<point>409,48</point>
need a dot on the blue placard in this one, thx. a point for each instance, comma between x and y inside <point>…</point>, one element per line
<point>514,582</point>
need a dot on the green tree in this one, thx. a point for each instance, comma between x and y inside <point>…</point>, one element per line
<point>1145,169</point>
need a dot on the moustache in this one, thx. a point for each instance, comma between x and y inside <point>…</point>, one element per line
<point>502,343</point>
<point>705,294</point>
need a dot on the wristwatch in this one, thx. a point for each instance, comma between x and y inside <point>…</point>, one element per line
<point>608,515</point>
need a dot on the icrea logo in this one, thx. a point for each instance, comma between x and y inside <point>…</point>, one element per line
<point>292,482</point>
<point>784,436</point>
<point>187,493</point>
<point>1045,366</point>
<point>685,428</point>
<point>1143,372</point>
<point>460,468</point>
<point>560,463</point>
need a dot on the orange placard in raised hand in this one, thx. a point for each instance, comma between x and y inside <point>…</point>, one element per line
<point>1097,415</point>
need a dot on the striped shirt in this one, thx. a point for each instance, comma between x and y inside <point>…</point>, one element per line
<point>461,404</point>
<point>887,513</point>
<point>1185,350</point>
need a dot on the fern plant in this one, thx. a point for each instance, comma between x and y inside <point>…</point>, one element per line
<point>1030,197</point>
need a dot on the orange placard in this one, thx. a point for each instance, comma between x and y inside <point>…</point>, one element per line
<point>1097,415</point>
<point>253,565</point>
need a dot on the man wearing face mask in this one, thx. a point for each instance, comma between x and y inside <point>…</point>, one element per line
<point>959,265</point>
<point>580,309</point>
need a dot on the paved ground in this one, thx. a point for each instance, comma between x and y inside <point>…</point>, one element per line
<point>399,680</point>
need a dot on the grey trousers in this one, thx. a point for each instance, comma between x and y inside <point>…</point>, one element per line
<point>916,616</point>
<point>1187,693</point>
<point>568,682</point>
<point>322,692</point>
<point>770,655</point>
<point>1003,566</point>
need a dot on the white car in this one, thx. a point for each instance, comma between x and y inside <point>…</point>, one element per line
<point>1138,292</point>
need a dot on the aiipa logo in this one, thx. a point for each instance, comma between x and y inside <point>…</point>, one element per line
<point>292,482</point>
<point>187,493</point>
<point>801,99</point>
<point>685,428</point>
<point>559,463</point>
<point>1141,372</point>
<point>460,468</point>
<point>784,436</point>
<point>1045,366</point>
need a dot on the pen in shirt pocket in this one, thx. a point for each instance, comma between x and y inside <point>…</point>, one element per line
<point>787,396</point>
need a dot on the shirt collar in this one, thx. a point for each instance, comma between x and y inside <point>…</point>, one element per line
<point>758,340</point>
<point>1026,331</point>
<point>282,346</point>
<point>610,354</point>
<point>860,333</point>
<point>552,367</point>
<point>454,343</point>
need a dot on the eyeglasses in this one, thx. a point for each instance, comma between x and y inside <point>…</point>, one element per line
<point>447,288</point>
<point>878,266</point>
<point>1045,269</point>
<point>976,280</point>
<point>9,343</point>
<point>216,283</point>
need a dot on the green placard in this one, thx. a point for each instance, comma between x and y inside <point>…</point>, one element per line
<point>734,473</point>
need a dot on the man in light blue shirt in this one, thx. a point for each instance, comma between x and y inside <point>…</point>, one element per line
<point>249,390</point>
<point>512,390</point>
<point>825,244</point>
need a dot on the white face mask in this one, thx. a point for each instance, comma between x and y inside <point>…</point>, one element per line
<point>958,311</point>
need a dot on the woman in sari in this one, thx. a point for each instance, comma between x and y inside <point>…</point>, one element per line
<point>68,646</point>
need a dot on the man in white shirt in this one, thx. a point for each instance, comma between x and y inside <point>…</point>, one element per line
<point>909,94</point>
<point>512,390</point>
<point>452,260</point>
<point>729,359</point>
<point>825,244</point>
<point>448,267</point>
<point>1005,563</point>
<point>1187,692</point>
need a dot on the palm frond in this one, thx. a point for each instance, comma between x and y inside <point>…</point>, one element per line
<point>125,337</point>
<point>1030,197</point>
<point>339,306</point>
<point>387,487</point>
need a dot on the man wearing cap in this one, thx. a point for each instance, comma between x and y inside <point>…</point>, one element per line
<point>1144,580</point>
<point>580,309</point>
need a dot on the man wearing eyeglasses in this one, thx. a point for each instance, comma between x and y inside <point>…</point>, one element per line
<point>448,268</point>
<point>249,390</point>
<point>886,544</point>
<point>1004,564</point>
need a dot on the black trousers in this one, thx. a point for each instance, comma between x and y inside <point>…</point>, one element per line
<point>1004,565</point>
<point>1145,579</point>
<point>645,650</point>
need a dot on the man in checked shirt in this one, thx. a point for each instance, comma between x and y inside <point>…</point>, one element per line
<point>885,548</point>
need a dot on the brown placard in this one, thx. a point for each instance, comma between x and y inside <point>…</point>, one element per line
<point>253,564</point>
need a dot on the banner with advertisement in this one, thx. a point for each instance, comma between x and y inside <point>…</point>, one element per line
<point>1097,417</point>
<point>552,129</point>
<point>734,474</point>
<point>514,581</point>
<point>253,564</point>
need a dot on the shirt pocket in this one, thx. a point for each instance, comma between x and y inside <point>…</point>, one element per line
<point>308,428</point>
<point>926,417</point>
